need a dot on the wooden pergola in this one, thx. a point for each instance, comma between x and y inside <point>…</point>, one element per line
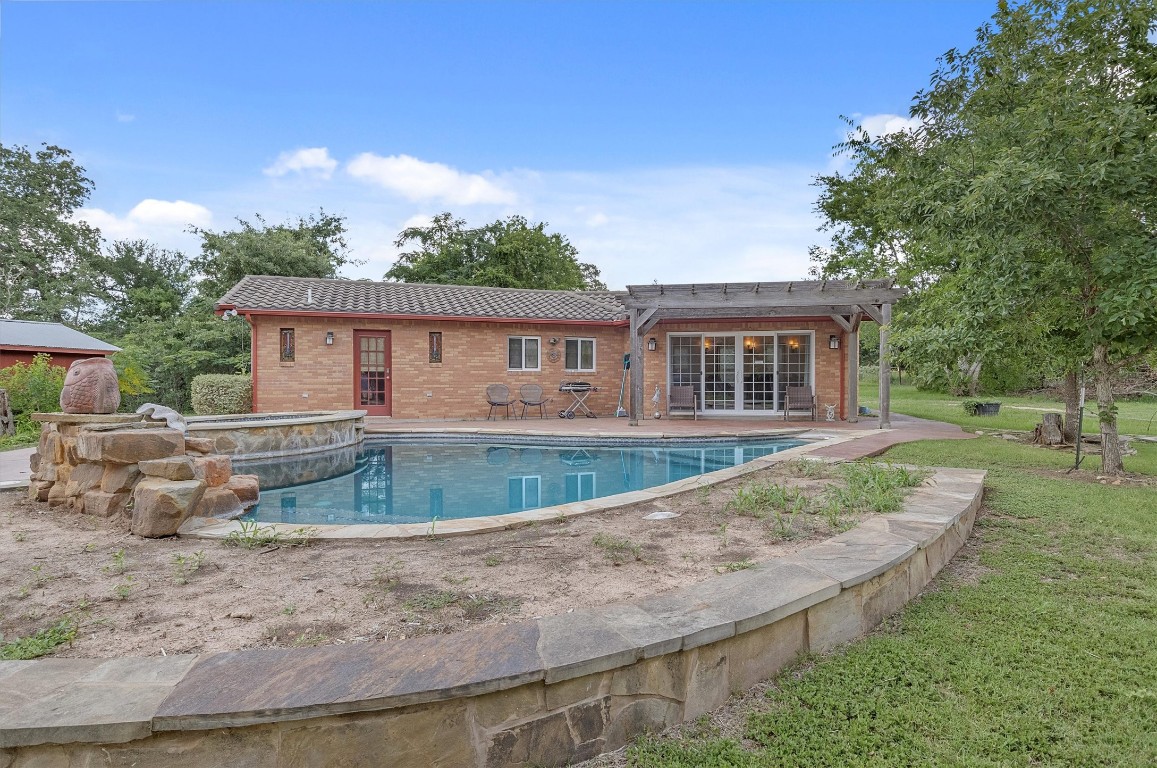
<point>846,302</point>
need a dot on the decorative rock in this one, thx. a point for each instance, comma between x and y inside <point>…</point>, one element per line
<point>130,446</point>
<point>103,504</point>
<point>214,470</point>
<point>246,488</point>
<point>119,477</point>
<point>199,445</point>
<point>38,490</point>
<point>219,503</point>
<point>90,387</point>
<point>171,468</point>
<point>160,506</point>
<point>83,479</point>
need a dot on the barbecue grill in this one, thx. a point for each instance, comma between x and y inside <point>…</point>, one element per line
<point>579,392</point>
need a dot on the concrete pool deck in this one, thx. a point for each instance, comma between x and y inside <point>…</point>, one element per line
<point>833,441</point>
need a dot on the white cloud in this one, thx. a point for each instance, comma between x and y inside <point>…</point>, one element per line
<point>125,117</point>
<point>416,179</point>
<point>311,160</point>
<point>162,221</point>
<point>882,125</point>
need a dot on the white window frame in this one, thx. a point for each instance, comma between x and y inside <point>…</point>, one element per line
<point>526,483</point>
<point>524,367</point>
<point>579,479</point>
<point>594,354</point>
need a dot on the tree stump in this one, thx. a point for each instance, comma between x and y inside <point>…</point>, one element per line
<point>7,420</point>
<point>1051,430</point>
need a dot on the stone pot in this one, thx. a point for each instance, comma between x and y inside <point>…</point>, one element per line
<point>91,387</point>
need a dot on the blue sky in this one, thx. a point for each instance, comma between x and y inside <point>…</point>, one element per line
<point>668,141</point>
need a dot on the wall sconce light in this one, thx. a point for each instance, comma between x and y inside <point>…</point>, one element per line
<point>652,344</point>
<point>329,338</point>
<point>833,342</point>
<point>553,340</point>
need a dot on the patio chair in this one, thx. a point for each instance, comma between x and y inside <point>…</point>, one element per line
<point>799,399</point>
<point>530,395</point>
<point>498,396</point>
<point>682,398</point>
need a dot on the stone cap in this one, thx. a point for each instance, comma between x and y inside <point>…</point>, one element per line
<point>87,418</point>
<point>113,701</point>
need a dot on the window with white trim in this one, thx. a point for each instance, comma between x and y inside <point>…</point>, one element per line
<point>522,353</point>
<point>523,492</point>
<point>580,354</point>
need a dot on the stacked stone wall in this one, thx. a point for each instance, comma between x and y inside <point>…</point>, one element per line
<point>134,473</point>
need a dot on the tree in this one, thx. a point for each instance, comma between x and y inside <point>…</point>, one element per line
<point>508,253</point>
<point>42,249</point>
<point>1024,203</point>
<point>139,282</point>
<point>314,246</point>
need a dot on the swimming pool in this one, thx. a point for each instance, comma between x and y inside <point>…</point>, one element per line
<point>416,482</point>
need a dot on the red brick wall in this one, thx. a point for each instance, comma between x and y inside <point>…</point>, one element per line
<point>473,356</point>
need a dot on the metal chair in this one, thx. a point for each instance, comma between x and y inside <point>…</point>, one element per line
<point>498,396</point>
<point>682,398</point>
<point>530,395</point>
<point>799,399</point>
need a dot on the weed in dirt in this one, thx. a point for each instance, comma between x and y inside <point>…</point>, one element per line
<point>89,547</point>
<point>117,565</point>
<point>40,643</point>
<point>20,535</point>
<point>456,581</point>
<point>23,592</point>
<point>809,468</point>
<point>477,607</point>
<point>781,526</point>
<point>306,640</point>
<point>721,532</point>
<point>124,589</point>
<point>832,511</point>
<point>875,487</point>
<point>703,494</point>
<point>433,525</point>
<point>736,565</point>
<point>759,500</point>
<point>39,577</point>
<point>617,548</point>
<point>431,601</point>
<point>491,560</point>
<point>253,535</point>
<point>185,566</point>
<point>289,609</point>
<point>388,575</point>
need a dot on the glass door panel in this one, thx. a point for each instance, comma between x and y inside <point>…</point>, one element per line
<point>687,364</point>
<point>372,369</point>
<point>759,373</point>
<point>794,366</point>
<point>719,373</point>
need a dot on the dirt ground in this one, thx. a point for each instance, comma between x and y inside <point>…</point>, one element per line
<point>140,597</point>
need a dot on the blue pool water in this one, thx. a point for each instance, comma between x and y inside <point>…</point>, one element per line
<point>416,482</point>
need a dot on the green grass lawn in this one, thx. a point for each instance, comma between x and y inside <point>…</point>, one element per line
<point>1134,417</point>
<point>1038,646</point>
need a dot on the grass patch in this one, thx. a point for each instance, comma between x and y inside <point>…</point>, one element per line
<point>254,535</point>
<point>618,549</point>
<point>1046,658</point>
<point>39,644</point>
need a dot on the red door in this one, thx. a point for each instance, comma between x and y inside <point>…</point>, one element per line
<point>372,372</point>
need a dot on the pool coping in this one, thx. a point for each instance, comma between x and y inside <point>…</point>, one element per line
<point>208,528</point>
<point>198,423</point>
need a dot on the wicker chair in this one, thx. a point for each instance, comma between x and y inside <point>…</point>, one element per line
<point>799,399</point>
<point>498,396</point>
<point>530,395</point>
<point>682,398</point>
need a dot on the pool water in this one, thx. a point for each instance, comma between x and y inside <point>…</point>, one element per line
<point>415,483</point>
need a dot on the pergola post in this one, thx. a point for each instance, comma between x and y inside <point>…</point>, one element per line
<point>854,372</point>
<point>636,399</point>
<point>885,368</point>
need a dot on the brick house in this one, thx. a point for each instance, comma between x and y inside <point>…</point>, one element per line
<point>22,340</point>
<point>429,351</point>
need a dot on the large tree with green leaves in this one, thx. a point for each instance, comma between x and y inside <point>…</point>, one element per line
<point>1024,204</point>
<point>313,246</point>
<point>509,253</point>
<point>43,249</point>
<point>137,282</point>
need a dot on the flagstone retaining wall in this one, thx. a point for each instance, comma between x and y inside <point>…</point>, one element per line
<point>543,692</point>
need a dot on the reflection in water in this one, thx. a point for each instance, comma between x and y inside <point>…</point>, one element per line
<point>419,482</point>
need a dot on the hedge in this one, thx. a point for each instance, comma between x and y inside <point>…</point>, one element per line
<point>219,393</point>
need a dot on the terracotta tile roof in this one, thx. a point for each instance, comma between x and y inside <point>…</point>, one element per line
<point>38,335</point>
<point>305,294</point>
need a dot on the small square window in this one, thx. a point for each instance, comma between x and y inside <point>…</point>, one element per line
<point>580,354</point>
<point>288,348</point>
<point>522,353</point>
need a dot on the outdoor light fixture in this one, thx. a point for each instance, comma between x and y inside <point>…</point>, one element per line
<point>329,338</point>
<point>652,344</point>
<point>833,342</point>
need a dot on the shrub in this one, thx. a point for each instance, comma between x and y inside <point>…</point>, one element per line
<point>33,387</point>
<point>220,393</point>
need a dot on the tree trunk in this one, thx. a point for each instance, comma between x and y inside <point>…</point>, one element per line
<point>1071,390</point>
<point>1050,431</point>
<point>1111,462</point>
<point>7,420</point>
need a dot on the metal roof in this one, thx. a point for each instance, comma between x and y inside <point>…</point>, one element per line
<point>39,335</point>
